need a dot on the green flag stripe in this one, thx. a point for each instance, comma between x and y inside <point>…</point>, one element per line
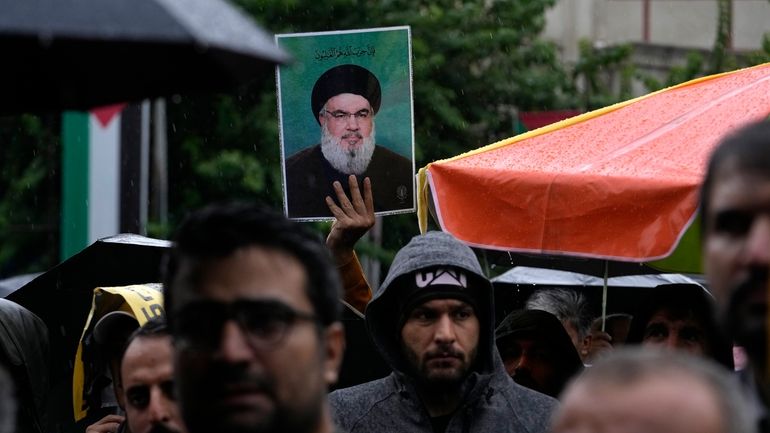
<point>74,225</point>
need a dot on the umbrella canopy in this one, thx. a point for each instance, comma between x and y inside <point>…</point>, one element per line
<point>62,296</point>
<point>525,275</point>
<point>77,54</point>
<point>618,183</point>
<point>624,294</point>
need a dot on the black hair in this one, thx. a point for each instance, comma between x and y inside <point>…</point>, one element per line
<point>749,148</point>
<point>683,300</point>
<point>153,328</point>
<point>218,230</point>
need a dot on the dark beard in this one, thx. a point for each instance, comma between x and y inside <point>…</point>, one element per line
<point>283,420</point>
<point>286,417</point>
<point>162,428</point>
<point>745,319</point>
<point>422,375</point>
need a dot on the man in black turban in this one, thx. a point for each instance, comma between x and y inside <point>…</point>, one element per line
<point>345,101</point>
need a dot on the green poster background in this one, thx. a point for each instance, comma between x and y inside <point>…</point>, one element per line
<point>385,52</point>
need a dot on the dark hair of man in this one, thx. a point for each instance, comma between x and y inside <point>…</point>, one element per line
<point>749,148</point>
<point>153,328</point>
<point>683,301</point>
<point>217,231</point>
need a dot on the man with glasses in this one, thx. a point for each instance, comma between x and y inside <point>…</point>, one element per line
<point>252,302</point>
<point>344,102</point>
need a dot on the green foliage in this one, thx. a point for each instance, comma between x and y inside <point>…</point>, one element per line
<point>595,69</point>
<point>693,68</point>
<point>29,187</point>
<point>721,60</point>
<point>763,55</point>
<point>473,63</point>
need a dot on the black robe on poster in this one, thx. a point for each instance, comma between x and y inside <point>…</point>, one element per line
<point>309,178</point>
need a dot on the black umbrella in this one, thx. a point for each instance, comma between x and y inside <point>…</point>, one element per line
<point>62,296</point>
<point>77,54</point>
<point>11,284</point>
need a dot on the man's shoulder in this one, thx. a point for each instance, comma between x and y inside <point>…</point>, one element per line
<point>530,408</point>
<point>303,155</point>
<point>529,399</point>
<point>361,394</point>
<point>369,404</point>
<point>382,153</point>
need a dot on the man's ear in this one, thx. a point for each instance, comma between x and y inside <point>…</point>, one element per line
<point>117,384</point>
<point>334,338</point>
<point>585,347</point>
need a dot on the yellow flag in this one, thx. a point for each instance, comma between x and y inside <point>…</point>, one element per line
<point>144,302</point>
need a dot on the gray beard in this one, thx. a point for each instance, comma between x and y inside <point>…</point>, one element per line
<point>348,161</point>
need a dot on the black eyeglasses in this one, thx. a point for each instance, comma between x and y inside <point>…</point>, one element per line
<point>343,116</point>
<point>198,325</point>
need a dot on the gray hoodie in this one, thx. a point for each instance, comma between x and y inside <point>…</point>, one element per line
<point>492,401</point>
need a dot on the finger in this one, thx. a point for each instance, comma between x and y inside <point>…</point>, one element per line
<point>334,209</point>
<point>110,419</point>
<point>368,198</point>
<point>342,198</point>
<point>355,194</point>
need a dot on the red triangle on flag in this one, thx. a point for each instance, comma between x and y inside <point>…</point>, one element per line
<point>106,113</point>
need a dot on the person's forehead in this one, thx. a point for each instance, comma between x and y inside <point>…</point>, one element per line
<point>733,187</point>
<point>147,359</point>
<point>525,341</point>
<point>443,303</point>
<point>668,316</point>
<point>347,102</point>
<point>253,273</point>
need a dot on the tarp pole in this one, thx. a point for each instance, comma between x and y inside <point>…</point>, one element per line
<point>604,294</point>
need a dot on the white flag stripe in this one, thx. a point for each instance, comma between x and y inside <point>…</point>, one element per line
<point>103,178</point>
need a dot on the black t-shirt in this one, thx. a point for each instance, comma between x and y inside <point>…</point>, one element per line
<point>440,423</point>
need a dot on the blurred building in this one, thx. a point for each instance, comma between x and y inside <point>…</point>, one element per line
<point>662,32</point>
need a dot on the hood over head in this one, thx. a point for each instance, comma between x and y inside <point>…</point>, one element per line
<point>545,328</point>
<point>431,266</point>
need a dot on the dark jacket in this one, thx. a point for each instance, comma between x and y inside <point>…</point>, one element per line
<point>24,352</point>
<point>309,179</point>
<point>492,401</point>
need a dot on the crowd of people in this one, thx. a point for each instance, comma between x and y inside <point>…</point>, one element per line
<point>252,338</point>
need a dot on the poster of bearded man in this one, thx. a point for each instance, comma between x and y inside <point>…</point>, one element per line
<point>345,107</point>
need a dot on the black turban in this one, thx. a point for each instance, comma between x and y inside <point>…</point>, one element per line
<point>345,79</point>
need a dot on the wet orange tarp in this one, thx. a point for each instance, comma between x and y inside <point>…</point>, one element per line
<point>618,183</point>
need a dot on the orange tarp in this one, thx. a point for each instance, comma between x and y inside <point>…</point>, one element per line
<point>618,183</point>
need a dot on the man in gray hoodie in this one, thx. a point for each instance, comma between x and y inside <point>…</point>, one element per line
<point>432,320</point>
